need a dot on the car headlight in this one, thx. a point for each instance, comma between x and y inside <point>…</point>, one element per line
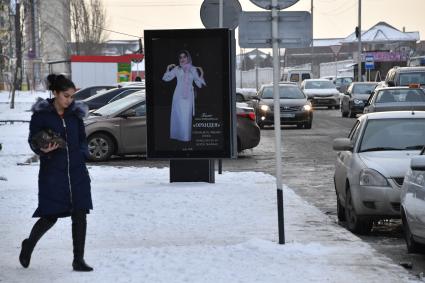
<point>357,101</point>
<point>370,177</point>
<point>265,108</point>
<point>307,107</point>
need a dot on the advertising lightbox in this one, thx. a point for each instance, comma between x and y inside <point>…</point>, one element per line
<point>189,77</point>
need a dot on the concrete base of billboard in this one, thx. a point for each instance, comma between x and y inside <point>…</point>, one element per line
<point>198,170</point>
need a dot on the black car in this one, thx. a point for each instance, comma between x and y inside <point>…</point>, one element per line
<point>356,97</point>
<point>87,92</point>
<point>101,99</point>
<point>295,109</point>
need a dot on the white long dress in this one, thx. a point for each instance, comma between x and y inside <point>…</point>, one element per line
<point>183,105</point>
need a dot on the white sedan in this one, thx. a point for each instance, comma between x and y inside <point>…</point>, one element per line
<point>321,92</point>
<point>371,164</point>
<point>413,205</point>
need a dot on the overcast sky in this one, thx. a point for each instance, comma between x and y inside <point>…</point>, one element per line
<point>332,18</point>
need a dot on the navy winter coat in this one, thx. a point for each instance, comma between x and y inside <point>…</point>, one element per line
<point>63,180</point>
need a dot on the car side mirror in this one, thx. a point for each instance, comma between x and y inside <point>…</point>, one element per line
<point>342,144</point>
<point>391,83</point>
<point>418,163</point>
<point>129,113</point>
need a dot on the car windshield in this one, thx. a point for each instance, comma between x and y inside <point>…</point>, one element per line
<point>393,134</point>
<point>363,88</point>
<point>285,92</point>
<point>412,78</point>
<point>400,95</point>
<point>343,81</point>
<point>319,84</point>
<point>118,105</point>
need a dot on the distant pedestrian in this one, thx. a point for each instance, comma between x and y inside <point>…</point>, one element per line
<point>63,181</point>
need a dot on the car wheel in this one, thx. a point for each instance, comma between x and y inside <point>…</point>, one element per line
<point>355,223</point>
<point>339,208</point>
<point>344,113</point>
<point>337,106</point>
<point>351,114</point>
<point>412,245</point>
<point>307,125</point>
<point>101,147</point>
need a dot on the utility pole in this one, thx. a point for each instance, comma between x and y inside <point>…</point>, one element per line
<point>359,58</point>
<point>312,39</point>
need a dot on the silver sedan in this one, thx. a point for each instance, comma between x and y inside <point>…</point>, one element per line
<point>371,164</point>
<point>413,205</point>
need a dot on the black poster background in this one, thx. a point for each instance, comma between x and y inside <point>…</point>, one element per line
<point>211,126</point>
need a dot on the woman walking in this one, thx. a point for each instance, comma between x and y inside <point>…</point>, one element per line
<point>183,105</point>
<point>63,181</point>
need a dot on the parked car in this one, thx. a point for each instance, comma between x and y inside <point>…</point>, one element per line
<point>413,205</point>
<point>101,99</point>
<point>119,128</point>
<point>356,97</point>
<point>405,76</point>
<point>245,94</point>
<point>321,92</point>
<point>342,83</point>
<point>90,91</point>
<point>248,132</point>
<point>395,98</point>
<point>295,109</point>
<point>371,164</point>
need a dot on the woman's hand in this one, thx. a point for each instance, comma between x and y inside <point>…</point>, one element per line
<point>50,147</point>
<point>169,67</point>
<point>201,72</point>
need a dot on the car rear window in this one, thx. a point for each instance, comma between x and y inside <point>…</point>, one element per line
<point>412,78</point>
<point>400,95</point>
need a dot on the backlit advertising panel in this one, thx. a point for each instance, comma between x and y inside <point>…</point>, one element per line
<point>189,78</point>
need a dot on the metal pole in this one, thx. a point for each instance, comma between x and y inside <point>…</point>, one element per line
<point>240,65</point>
<point>359,59</point>
<point>275,40</point>
<point>220,14</point>
<point>312,40</point>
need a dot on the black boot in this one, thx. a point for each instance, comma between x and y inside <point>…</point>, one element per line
<point>39,229</point>
<point>79,227</point>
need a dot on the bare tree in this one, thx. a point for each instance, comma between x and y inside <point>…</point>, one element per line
<point>88,18</point>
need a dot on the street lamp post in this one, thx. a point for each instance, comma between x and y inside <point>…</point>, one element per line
<point>359,58</point>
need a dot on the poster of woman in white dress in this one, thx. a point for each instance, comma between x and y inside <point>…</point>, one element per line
<point>183,103</point>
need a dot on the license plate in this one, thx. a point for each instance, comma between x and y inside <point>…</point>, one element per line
<point>287,115</point>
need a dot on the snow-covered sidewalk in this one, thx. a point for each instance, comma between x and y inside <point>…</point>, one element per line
<point>145,229</point>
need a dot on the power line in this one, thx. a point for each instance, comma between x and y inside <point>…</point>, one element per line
<point>118,32</point>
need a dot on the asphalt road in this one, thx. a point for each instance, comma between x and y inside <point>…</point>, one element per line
<point>308,167</point>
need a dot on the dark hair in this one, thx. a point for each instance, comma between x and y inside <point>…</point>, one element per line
<point>58,83</point>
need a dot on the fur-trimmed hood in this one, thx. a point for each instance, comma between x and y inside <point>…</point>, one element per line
<point>80,109</point>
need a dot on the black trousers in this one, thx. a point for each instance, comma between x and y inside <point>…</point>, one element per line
<point>79,228</point>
